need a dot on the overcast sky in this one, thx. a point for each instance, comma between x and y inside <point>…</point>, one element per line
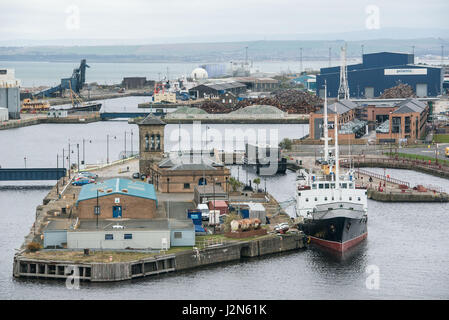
<point>149,19</point>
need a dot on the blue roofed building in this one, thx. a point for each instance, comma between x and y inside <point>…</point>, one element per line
<point>381,71</point>
<point>117,198</point>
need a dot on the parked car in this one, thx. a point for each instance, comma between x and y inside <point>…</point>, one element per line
<point>143,177</point>
<point>88,175</point>
<point>136,175</point>
<point>82,181</point>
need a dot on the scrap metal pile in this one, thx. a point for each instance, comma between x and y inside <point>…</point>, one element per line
<point>400,91</point>
<point>290,101</point>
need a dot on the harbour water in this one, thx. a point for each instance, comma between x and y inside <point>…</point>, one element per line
<point>49,73</point>
<point>42,73</point>
<point>407,242</point>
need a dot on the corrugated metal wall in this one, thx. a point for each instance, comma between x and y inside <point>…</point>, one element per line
<point>10,99</point>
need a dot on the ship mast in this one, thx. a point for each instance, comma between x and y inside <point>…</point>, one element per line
<point>326,126</point>
<point>337,164</point>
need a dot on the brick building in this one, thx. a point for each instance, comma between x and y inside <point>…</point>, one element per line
<point>407,121</point>
<point>345,114</point>
<point>183,173</point>
<point>117,198</point>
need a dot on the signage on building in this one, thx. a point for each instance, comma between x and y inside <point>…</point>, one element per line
<point>117,200</point>
<point>405,72</point>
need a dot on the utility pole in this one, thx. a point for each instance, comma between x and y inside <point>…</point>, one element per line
<point>57,167</point>
<point>107,148</point>
<point>78,151</point>
<point>70,166</point>
<point>25,160</point>
<point>300,61</point>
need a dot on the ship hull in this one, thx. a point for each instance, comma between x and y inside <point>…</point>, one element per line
<point>338,234</point>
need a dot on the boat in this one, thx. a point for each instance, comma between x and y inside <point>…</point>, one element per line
<point>332,208</point>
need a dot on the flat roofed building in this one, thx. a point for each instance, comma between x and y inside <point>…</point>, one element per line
<point>120,234</point>
<point>117,198</point>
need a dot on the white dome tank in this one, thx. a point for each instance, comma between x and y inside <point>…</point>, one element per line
<point>199,73</point>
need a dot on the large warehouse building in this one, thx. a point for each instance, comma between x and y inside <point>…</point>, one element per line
<point>381,71</point>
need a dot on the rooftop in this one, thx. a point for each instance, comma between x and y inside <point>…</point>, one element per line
<point>127,224</point>
<point>152,120</point>
<point>117,186</point>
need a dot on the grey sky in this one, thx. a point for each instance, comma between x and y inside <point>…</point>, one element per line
<point>138,19</point>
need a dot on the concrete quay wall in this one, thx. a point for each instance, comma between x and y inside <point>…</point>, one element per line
<point>189,259</point>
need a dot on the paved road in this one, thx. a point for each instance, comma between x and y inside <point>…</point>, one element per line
<point>425,151</point>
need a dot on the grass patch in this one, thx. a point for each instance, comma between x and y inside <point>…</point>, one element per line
<point>441,138</point>
<point>98,256</point>
<point>418,157</point>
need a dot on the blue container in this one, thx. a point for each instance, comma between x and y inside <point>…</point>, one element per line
<point>196,216</point>
<point>244,213</point>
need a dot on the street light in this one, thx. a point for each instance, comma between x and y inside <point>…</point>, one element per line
<point>25,160</point>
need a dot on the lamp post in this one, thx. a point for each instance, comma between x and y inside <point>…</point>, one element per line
<point>78,156</point>
<point>124,156</point>
<point>131,142</point>
<point>25,160</point>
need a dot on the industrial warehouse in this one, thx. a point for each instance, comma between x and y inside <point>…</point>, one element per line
<point>381,71</point>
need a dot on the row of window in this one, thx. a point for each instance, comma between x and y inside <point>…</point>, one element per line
<point>154,143</point>
<point>126,236</point>
<point>325,198</point>
<point>331,185</point>
<point>129,236</point>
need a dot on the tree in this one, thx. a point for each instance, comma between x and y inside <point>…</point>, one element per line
<point>257,182</point>
<point>235,184</point>
<point>286,144</point>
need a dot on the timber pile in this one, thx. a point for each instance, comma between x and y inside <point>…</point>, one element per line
<point>290,101</point>
<point>400,91</point>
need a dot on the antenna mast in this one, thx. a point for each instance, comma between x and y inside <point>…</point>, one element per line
<point>343,90</point>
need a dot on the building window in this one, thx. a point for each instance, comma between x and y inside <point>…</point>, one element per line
<point>178,235</point>
<point>152,142</point>
<point>147,142</point>
<point>186,185</point>
<point>407,128</point>
<point>128,236</point>
<point>396,125</point>
<point>108,236</point>
<point>158,142</point>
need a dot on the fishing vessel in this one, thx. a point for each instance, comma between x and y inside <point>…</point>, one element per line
<point>332,206</point>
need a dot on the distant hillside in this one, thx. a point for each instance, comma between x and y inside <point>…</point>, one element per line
<point>221,51</point>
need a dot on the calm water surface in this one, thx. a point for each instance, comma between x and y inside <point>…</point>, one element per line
<point>409,243</point>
